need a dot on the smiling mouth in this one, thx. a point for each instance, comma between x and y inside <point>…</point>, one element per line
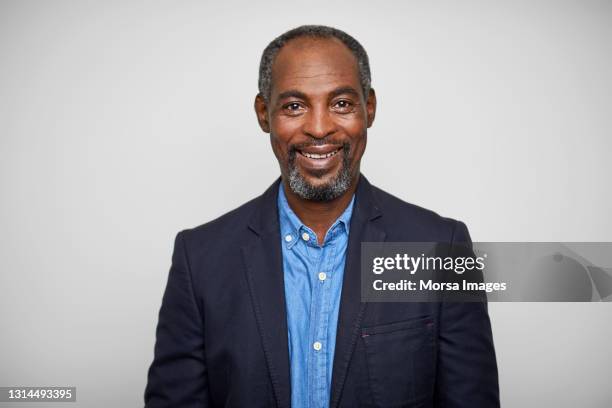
<point>320,156</point>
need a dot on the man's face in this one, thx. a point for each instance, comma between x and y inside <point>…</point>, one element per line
<point>317,117</point>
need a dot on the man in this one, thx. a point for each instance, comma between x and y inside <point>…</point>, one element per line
<point>262,306</point>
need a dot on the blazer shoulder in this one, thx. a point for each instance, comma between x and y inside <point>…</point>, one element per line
<point>409,221</point>
<point>224,228</point>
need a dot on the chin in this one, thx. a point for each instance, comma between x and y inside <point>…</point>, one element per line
<point>319,180</point>
<point>325,188</point>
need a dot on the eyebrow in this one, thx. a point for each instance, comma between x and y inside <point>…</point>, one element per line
<point>344,90</point>
<point>294,93</point>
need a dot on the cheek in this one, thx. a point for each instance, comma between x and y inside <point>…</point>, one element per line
<point>284,126</point>
<point>282,137</point>
<point>283,131</point>
<point>278,147</point>
<point>357,132</point>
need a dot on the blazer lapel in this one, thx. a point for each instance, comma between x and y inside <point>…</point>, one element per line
<point>264,274</point>
<point>363,229</point>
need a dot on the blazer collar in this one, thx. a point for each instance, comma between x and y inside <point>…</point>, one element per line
<point>263,266</point>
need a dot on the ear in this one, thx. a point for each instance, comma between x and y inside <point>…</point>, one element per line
<point>261,110</point>
<point>371,107</point>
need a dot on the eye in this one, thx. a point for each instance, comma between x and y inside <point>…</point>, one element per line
<point>293,108</point>
<point>343,106</point>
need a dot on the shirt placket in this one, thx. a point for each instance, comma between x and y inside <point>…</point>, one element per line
<point>313,254</point>
<point>321,297</point>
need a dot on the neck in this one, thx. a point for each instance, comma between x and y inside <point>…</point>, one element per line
<point>319,215</point>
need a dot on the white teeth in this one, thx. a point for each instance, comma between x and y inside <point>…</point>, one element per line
<point>320,156</point>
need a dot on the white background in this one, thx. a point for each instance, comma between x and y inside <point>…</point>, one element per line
<point>123,122</point>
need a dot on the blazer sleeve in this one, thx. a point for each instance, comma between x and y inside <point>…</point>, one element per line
<point>177,376</point>
<point>467,368</point>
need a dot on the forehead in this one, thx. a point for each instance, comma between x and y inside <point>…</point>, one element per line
<point>315,65</point>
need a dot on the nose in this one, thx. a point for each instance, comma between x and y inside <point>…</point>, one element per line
<point>319,123</point>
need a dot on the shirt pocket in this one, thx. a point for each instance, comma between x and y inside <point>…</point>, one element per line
<point>401,361</point>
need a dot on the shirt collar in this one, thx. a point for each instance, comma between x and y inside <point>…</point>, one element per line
<point>292,226</point>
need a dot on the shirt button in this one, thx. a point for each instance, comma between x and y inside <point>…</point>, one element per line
<point>288,238</point>
<point>317,345</point>
<point>322,276</point>
<point>305,236</point>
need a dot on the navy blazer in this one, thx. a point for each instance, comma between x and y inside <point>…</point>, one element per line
<point>222,331</point>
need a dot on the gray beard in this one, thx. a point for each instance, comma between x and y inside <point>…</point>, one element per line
<point>325,192</point>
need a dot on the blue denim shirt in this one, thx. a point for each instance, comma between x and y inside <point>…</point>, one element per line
<point>313,284</point>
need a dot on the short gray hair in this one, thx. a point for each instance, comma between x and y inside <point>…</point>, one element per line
<point>312,31</point>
